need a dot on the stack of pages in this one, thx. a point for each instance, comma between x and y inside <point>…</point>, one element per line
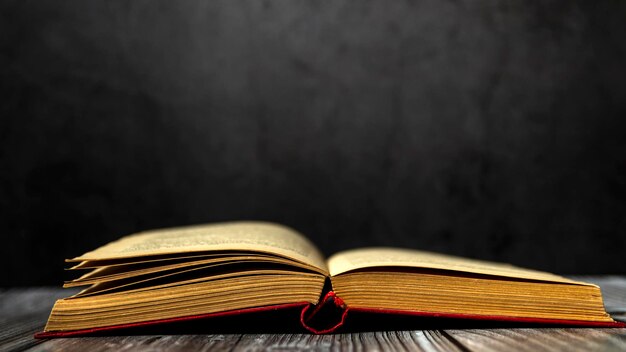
<point>199,272</point>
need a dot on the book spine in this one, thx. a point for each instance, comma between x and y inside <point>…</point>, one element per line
<point>325,317</point>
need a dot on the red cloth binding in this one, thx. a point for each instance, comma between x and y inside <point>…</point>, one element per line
<point>330,296</point>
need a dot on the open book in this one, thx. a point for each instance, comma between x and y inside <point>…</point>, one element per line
<point>243,267</point>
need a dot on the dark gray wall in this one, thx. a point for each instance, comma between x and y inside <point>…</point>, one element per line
<point>488,129</point>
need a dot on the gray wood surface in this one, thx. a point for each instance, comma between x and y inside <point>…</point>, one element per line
<point>25,310</point>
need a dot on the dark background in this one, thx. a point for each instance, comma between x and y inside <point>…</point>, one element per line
<point>489,129</point>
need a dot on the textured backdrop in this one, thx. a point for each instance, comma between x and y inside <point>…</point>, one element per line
<point>487,129</point>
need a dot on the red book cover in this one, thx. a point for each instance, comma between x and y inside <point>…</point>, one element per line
<point>330,324</point>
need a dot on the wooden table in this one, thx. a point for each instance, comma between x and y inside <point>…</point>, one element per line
<point>23,311</point>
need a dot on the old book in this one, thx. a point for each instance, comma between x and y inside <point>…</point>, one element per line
<point>204,271</point>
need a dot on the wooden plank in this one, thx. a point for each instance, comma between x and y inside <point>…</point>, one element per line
<point>141,343</point>
<point>548,339</point>
<point>376,341</point>
<point>24,312</point>
<point>18,334</point>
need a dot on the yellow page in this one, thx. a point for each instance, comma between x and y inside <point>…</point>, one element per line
<point>362,258</point>
<point>236,236</point>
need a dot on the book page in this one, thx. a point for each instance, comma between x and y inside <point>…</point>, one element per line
<point>234,236</point>
<point>355,259</point>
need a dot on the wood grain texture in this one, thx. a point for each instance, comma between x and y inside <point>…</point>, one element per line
<point>546,339</point>
<point>24,312</point>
